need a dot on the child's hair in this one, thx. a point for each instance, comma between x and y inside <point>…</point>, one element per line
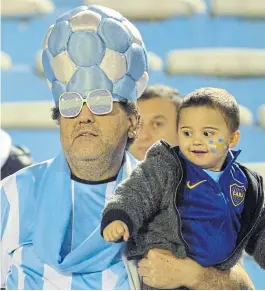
<point>214,98</point>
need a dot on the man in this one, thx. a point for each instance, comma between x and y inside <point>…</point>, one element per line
<point>51,211</point>
<point>12,158</point>
<point>158,107</point>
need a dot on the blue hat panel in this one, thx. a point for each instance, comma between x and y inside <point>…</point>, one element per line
<point>59,38</point>
<point>88,79</point>
<point>126,88</point>
<point>136,61</point>
<point>46,63</point>
<point>86,48</point>
<point>115,35</point>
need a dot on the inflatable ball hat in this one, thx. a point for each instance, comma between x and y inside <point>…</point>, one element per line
<point>94,47</point>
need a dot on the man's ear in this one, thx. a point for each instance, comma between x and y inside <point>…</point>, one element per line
<point>134,125</point>
<point>234,139</point>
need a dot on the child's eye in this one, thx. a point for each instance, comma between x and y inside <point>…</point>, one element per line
<point>187,133</point>
<point>208,133</point>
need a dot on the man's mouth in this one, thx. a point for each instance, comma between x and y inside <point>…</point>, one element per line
<point>88,133</point>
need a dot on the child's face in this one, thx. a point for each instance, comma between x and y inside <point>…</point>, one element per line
<point>204,137</point>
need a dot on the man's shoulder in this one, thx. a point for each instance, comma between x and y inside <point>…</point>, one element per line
<point>26,175</point>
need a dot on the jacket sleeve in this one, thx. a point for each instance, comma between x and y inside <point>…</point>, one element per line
<point>137,199</point>
<point>256,243</point>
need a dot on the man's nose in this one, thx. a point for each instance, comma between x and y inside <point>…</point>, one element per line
<point>86,116</point>
<point>145,132</point>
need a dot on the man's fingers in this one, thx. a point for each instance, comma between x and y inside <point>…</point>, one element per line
<point>158,253</point>
<point>145,263</point>
<point>143,272</point>
<point>148,281</point>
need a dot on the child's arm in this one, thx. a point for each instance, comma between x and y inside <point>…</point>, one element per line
<point>138,198</point>
<point>115,231</point>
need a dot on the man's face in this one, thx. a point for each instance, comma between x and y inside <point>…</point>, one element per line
<point>158,122</point>
<point>204,137</point>
<point>90,137</point>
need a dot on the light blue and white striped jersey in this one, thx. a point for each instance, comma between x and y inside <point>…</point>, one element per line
<point>50,230</point>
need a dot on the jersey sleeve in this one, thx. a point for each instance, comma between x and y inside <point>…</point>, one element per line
<point>5,210</point>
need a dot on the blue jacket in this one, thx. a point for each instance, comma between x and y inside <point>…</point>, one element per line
<point>211,210</point>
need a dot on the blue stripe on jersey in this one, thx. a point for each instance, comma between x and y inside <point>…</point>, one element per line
<point>67,243</point>
<point>86,281</point>
<point>89,201</point>
<point>5,207</point>
<point>12,281</point>
<point>33,269</point>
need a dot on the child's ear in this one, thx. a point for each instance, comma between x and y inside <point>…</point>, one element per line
<point>234,139</point>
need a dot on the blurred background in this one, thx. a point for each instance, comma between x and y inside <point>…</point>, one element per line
<point>191,44</point>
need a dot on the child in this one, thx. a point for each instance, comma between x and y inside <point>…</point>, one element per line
<point>195,200</point>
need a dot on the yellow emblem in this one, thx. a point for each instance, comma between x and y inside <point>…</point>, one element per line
<point>237,193</point>
<point>194,185</point>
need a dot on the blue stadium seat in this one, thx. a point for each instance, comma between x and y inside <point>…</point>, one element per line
<point>248,92</point>
<point>23,85</point>
<point>36,142</point>
<point>201,31</point>
<point>21,40</point>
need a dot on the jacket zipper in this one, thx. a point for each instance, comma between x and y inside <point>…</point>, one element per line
<point>186,245</point>
<point>234,251</point>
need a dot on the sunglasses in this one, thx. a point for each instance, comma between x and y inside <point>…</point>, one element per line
<point>98,101</point>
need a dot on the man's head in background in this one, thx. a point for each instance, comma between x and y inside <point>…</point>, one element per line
<point>158,108</point>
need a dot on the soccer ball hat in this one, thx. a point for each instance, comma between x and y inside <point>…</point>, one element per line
<point>94,47</point>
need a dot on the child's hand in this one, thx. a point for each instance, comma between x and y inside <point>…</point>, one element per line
<point>115,230</point>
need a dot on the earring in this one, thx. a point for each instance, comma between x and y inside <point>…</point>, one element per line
<point>131,134</point>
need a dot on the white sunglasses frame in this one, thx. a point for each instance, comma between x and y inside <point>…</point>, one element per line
<point>85,101</point>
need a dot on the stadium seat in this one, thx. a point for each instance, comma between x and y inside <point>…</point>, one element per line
<point>20,83</point>
<point>153,9</point>
<point>241,8</point>
<point>6,62</point>
<point>25,8</point>
<point>226,62</point>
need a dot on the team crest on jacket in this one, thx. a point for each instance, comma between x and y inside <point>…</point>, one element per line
<point>237,193</point>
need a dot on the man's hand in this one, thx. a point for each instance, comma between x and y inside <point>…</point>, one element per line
<point>162,270</point>
<point>115,230</point>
